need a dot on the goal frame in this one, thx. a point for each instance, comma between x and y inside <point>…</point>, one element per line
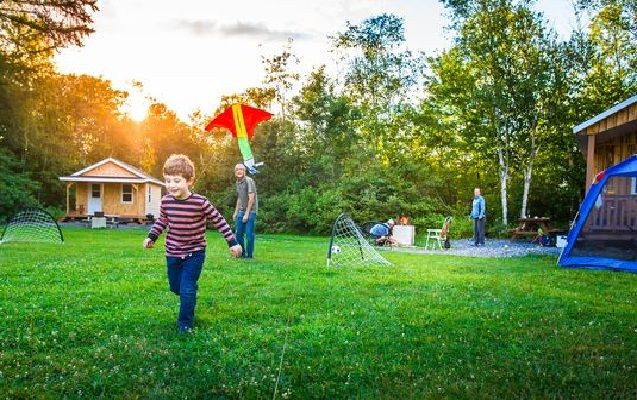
<point>31,209</point>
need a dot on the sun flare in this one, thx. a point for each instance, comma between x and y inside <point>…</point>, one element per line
<point>136,107</point>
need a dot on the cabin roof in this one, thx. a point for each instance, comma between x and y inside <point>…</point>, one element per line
<point>599,117</point>
<point>139,176</point>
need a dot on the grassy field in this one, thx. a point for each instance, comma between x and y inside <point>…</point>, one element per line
<point>93,318</point>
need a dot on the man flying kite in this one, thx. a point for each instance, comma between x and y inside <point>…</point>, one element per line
<point>241,120</point>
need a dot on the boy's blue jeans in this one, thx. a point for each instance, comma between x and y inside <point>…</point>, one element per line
<point>183,274</point>
<point>246,228</point>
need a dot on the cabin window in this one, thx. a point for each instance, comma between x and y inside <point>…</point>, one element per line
<point>127,193</point>
<point>149,192</point>
<point>95,191</point>
<point>633,185</point>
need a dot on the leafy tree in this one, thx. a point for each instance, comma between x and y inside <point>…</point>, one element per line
<point>89,108</point>
<point>380,74</point>
<point>279,76</point>
<point>57,22</point>
<point>164,134</point>
<point>29,32</point>
<point>611,75</point>
<point>628,11</point>
<point>18,189</point>
<point>328,128</point>
<point>500,80</point>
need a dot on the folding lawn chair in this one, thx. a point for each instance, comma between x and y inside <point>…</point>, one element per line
<point>439,236</point>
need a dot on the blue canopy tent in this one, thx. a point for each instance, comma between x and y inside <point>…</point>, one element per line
<point>604,235</point>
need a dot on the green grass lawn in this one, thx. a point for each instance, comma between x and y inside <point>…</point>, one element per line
<point>94,318</point>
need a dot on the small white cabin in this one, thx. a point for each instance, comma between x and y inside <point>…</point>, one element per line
<point>114,188</point>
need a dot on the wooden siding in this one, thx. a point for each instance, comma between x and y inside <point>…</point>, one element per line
<point>110,169</point>
<point>613,151</point>
<point>619,118</point>
<point>609,141</point>
<point>112,199</point>
<point>617,213</point>
<point>81,198</point>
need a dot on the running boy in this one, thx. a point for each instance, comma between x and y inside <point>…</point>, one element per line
<point>184,214</point>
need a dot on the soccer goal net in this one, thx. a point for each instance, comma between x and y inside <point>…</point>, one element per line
<point>32,225</point>
<point>348,247</point>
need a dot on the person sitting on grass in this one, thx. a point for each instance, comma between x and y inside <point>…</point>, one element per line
<point>185,214</point>
<point>382,233</point>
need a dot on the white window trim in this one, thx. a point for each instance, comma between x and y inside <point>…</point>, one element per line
<point>121,194</point>
<point>633,185</point>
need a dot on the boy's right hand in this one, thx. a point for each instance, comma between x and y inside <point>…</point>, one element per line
<point>148,243</point>
<point>236,250</point>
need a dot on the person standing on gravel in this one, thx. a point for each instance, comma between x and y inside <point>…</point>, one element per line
<point>479,216</point>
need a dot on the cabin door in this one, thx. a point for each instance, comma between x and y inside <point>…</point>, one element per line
<point>94,198</point>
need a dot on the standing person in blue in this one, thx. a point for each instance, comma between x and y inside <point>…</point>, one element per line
<point>245,212</point>
<point>479,215</point>
<point>184,215</point>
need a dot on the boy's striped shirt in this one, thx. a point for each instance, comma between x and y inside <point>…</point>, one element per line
<point>186,223</point>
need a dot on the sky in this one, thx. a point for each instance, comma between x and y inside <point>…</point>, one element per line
<point>188,54</point>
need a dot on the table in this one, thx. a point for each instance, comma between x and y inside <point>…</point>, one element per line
<point>528,226</point>
<point>404,234</point>
<point>98,222</point>
<point>110,221</point>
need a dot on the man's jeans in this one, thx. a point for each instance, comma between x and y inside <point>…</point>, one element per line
<point>183,274</point>
<point>246,228</point>
<point>478,231</point>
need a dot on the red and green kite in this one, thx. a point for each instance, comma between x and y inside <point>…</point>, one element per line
<point>241,120</point>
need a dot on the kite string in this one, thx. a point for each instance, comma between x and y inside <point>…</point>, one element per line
<point>292,300</point>
<point>285,344</point>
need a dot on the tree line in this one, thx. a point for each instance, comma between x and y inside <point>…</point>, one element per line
<point>392,132</point>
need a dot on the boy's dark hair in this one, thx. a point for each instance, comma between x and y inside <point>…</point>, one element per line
<point>179,164</point>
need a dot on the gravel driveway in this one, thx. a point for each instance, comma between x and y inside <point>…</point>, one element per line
<point>493,248</point>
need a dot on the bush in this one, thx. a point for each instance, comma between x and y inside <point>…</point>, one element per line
<point>272,214</point>
<point>461,227</point>
<point>497,230</point>
<point>313,211</point>
<point>18,189</point>
<point>56,212</point>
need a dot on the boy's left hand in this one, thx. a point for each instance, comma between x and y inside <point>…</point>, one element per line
<point>236,250</point>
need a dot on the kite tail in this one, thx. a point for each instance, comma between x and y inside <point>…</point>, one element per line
<point>248,159</point>
<point>244,146</point>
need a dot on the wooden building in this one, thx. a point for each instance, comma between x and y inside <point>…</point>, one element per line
<point>608,138</point>
<point>114,188</point>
